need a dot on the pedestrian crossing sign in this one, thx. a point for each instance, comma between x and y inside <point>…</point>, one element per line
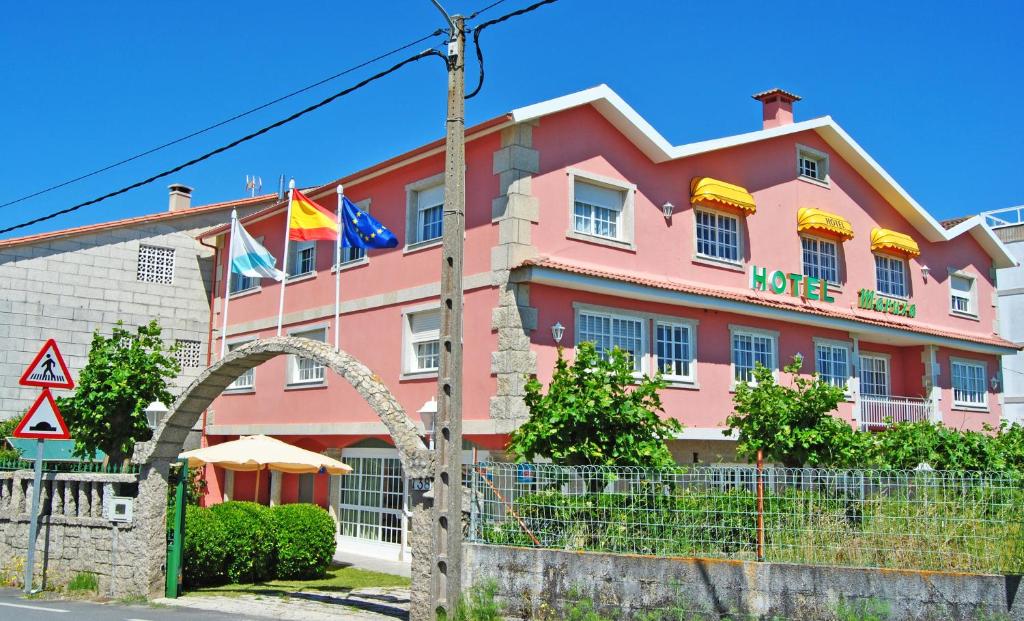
<point>48,369</point>
<point>43,421</point>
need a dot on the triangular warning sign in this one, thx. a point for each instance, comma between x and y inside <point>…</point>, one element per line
<point>48,369</point>
<point>43,421</point>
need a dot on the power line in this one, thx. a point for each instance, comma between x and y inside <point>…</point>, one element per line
<point>226,121</point>
<point>231,145</point>
<point>304,111</point>
<point>486,8</point>
<point>479,29</point>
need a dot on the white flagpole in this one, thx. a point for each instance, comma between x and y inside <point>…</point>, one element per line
<point>337,270</point>
<point>227,285</point>
<point>287,231</point>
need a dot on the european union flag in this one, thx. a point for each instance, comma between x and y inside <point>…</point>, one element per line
<point>363,230</point>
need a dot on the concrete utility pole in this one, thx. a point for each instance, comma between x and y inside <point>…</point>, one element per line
<point>446,572</point>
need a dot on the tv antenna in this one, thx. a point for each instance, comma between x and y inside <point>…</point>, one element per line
<point>253,184</point>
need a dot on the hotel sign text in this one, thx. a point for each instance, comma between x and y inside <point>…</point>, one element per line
<point>870,300</point>
<point>797,285</point>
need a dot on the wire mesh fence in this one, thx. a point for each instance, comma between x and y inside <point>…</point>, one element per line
<point>862,518</point>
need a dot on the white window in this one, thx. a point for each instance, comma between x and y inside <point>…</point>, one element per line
<point>423,338</point>
<point>306,370</point>
<point>608,331</point>
<point>961,294</point>
<point>968,382</point>
<point>247,379</point>
<point>240,283</point>
<point>597,210</point>
<point>351,255</point>
<point>188,353</point>
<point>718,235</point>
<point>874,375</point>
<point>821,258</point>
<point>156,265</point>
<point>750,347</point>
<point>302,259</point>
<point>832,361</point>
<point>811,164</point>
<point>674,348</point>
<point>429,213</point>
<point>890,274</point>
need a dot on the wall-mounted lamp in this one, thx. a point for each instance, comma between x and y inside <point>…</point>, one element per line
<point>925,270</point>
<point>994,383</point>
<point>667,209</point>
<point>155,413</point>
<point>557,332</point>
<point>428,414</point>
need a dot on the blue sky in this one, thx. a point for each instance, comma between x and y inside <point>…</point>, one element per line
<point>932,90</point>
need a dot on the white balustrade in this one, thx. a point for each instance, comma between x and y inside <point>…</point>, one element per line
<point>878,412</point>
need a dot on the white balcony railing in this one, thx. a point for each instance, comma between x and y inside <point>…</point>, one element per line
<point>876,412</point>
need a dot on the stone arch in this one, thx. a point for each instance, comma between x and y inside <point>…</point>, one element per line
<point>186,410</point>
<point>157,454</point>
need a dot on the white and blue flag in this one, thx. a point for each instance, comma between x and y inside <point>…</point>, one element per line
<point>250,258</point>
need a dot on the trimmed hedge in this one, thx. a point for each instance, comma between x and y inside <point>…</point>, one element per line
<point>206,549</point>
<point>305,540</point>
<point>244,542</point>
<point>250,540</point>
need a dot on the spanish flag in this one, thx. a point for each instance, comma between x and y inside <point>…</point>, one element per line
<point>310,221</point>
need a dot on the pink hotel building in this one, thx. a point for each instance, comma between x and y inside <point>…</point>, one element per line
<point>700,259</point>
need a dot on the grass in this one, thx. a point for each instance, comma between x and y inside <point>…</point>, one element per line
<point>945,529</point>
<point>337,580</point>
<point>84,582</point>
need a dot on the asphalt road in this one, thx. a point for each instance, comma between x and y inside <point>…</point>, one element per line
<point>13,607</point>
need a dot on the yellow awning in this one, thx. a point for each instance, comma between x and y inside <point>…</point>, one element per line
<point>818,221</point>
<point>712,191</point>
<point>891,241</point>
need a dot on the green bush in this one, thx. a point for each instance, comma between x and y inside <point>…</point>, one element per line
<point>206,548</point>
<point>305,540</point>
<point>249,532</point>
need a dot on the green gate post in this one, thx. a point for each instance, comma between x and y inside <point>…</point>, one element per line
<point>175,547</point>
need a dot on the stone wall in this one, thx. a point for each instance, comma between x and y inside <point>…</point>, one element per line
<point>533,583</point>
<point>515,211</point>
<point>66,288</point>
<point>75,533</point>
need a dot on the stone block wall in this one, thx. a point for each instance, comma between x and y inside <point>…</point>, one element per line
<point>533,583</point>
<point>515,211</point>
<point>65,288</point>
<point>75,534</point>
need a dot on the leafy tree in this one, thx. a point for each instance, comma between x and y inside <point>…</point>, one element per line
<point>7,426</point>
<point>125,373</point>
<point>596,411</point>
<point>792,424</point>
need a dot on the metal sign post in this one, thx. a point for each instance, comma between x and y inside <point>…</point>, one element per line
<point>33,522</point>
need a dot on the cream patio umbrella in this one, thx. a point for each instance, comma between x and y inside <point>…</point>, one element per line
<point>250,453</point>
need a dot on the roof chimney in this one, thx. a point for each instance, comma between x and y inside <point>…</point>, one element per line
<point>777,107</point>
<point>181,197</point>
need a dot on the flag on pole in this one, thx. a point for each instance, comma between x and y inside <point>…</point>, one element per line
<point>362,230</point>
<point>308,221</point>
<point>250,258</point>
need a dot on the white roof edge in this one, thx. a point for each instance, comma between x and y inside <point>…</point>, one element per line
<point>986,237</point>
<point>703,433</point>
<point>654,145</point>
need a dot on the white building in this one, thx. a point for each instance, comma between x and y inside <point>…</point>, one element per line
<point>1008,225</point>
<point>67,284</point>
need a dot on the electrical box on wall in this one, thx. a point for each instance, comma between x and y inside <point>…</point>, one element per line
<point>121,509</point>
